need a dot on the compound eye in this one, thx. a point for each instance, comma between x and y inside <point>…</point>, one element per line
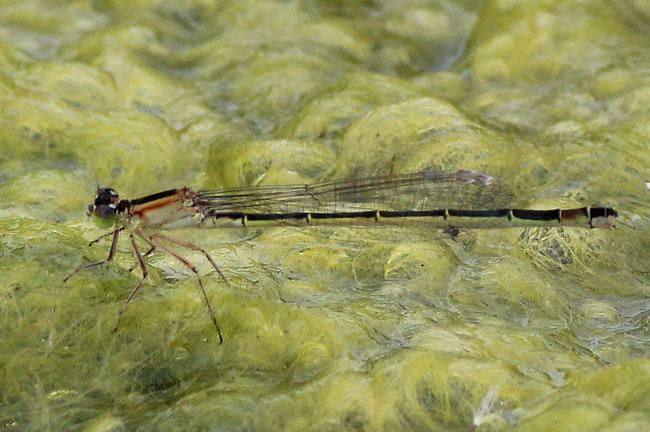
<point>104,212</point>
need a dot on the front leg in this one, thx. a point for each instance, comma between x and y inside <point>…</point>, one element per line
<point>111,253</point>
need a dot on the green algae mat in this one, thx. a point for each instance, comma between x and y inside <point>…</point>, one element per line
<point>326,328</point>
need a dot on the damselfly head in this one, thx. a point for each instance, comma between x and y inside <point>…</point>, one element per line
<point>104,209</point>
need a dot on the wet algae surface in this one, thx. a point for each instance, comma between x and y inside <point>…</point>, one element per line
<point>338,328</point>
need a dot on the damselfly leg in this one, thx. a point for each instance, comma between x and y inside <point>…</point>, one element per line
<point>155,242</point>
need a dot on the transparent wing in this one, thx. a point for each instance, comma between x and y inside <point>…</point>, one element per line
<point>426,190</point>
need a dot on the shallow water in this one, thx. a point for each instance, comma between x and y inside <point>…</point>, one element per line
<point>325,329</point>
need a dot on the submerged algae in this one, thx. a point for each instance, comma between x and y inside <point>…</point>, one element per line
<point>325,329</point>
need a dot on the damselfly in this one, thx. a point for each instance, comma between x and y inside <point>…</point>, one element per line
<point>436,199</point>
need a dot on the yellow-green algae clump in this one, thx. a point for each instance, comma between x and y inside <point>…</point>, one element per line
<point>337,328</point>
